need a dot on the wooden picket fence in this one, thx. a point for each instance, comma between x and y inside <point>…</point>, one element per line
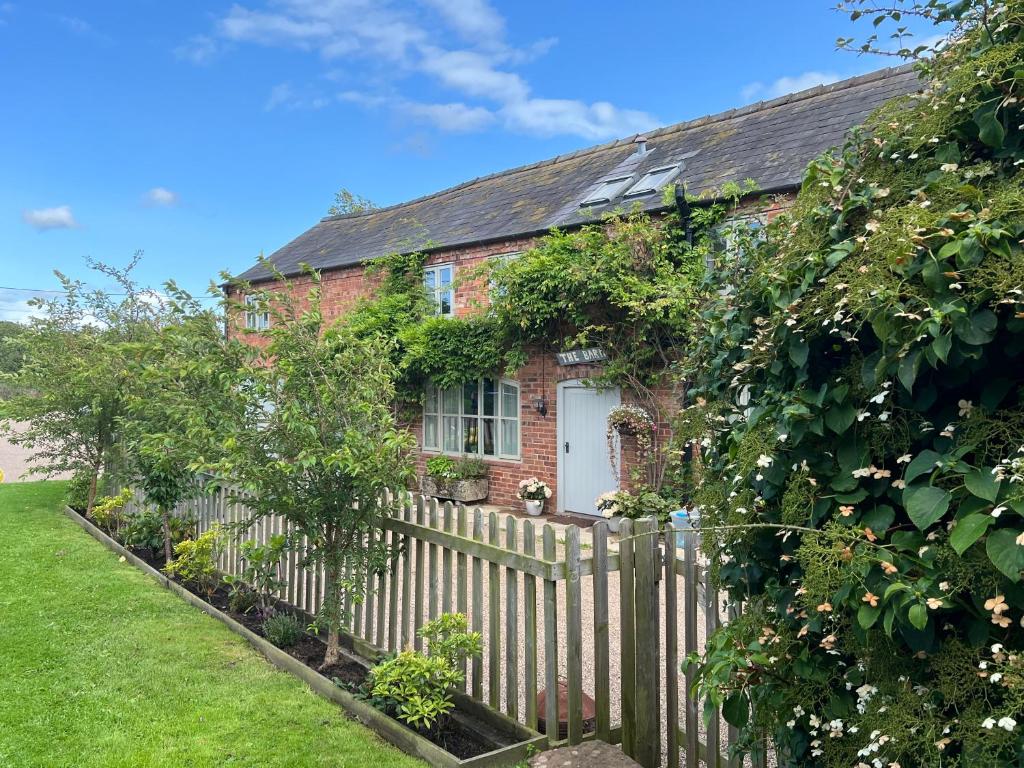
<point>612,617</point>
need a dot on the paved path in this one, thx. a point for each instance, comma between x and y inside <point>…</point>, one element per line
<point>14,461</point>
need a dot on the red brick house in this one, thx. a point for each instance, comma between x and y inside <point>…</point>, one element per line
<point>545,422</point>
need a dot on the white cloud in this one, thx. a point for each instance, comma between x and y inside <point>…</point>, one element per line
<point>393,43</point>
<point>473,19</point>
<point>454,117</point>
<point>14,306</point>
<point>787,85</point>
<point>43,219</point>
<point>162,197</point>
<point>198,49</point>
<point>600,120</point>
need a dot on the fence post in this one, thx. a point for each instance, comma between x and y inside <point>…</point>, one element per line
<point>602,694</point>
<point>647,739</point>
<point>672,645</point>
<point>628,635</point>
<point>690,643</point>
<point>550,643</point>
<point>530,628</point>
<point>574,633</point>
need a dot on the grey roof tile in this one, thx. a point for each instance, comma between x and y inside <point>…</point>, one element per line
<point>770,142</point>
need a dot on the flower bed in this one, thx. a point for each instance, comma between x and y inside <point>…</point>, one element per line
<point>478,735</point>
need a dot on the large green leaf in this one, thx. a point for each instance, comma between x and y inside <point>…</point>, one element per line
<point>968,530</point>
<point>840,417</point>
<point>983,484</point>
<point>922,463</point>
<point>736,710</point>
<point>918,615</point>
<point>1005,553</point>
<point>990,129</point>
<point>925,504</point>
<point>868,615</point>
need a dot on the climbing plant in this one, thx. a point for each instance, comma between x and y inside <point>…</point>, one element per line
<point>863,417</point>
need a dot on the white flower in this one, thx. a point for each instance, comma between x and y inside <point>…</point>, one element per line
<point>998,511</point>
<point>965,406</point>
<point>988,723</point>
<point>764,460</point>
<point>996,677</point>
<point>904,459</point>
<point>1007,723</point>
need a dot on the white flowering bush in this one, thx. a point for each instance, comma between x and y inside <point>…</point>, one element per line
<point>533,489</point>
<point>866,500</point>
<point>608,504</point>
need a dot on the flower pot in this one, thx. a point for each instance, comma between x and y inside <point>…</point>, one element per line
<point>614,522</point>
<point>533,506</point>
<point>457,490</point>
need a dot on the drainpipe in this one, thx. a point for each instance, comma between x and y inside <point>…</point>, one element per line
<point>683,206</point>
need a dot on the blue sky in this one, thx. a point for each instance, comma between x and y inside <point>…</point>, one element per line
<point>205,133</point>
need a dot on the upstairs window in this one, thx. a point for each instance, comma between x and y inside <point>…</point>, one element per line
<point>654,180</point>
<point>256,318</point>
<point>480,418</point>
<point>438,282</point>
<point>607,191</point>
<point>500,260</point>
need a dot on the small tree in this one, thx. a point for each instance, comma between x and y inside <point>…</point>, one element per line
<point>317,442</point>
<point>178,402</point>
<point>349,202</point>
<point>73,377</point>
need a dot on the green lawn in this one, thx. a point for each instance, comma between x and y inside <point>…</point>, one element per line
<point>100,666</point>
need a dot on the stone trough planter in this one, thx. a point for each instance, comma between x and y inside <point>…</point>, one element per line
<point>474,489</point>
<point>513,742</point>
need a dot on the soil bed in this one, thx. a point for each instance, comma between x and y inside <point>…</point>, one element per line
<point>465,737</point>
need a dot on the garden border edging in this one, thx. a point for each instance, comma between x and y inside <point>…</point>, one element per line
<point>384,726</point>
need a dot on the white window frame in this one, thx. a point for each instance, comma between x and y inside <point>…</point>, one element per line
<point>646,185</point>
<point>504,258</point>
<point>439,414</point>
<point>436,292</point>
<point>254,319</point>
<point>607,190</point>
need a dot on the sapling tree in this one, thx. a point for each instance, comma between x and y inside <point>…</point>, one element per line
<point>73,375</point>
<point>317,442</point>
<point>178,402</point>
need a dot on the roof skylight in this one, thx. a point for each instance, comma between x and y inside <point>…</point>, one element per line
<point>607,190</point>
<point>653,180</point>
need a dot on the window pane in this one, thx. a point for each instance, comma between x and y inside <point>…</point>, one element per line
<point>509,400</point>
<point>429,276</point>
<point>490,394</point>
<point>430,401</point>
<point>487,427</point>
<point>470,436</point>
<point>445,276</point>
<point>445,303</point>
<point>509,437</point>
<point>451,433</point>
<point>471,398</point>
<point>430,432</point>
<point>451,401</point>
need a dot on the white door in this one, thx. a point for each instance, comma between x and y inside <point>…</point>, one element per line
<point>584,471</point>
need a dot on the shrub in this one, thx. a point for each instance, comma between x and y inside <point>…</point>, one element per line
<point>446,468</point>
<point>195,561</point>
<point>634,506</point>
<point>283,630</point>
<point>241,597</point>
<point>144,530</point>
<point>416,687</point>
<point>864,475</point>
<point>107,511</point>
<point>261,569</point>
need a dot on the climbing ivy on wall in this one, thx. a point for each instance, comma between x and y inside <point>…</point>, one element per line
<point>863,414</point>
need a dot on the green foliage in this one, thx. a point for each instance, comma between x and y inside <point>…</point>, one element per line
<point>313,439</point>
<point>643,503</point>
<point>72,384</point>
<point>261,570</point>
<point>346,202</point>
<point>11,354</point>
<point>195,561</point>
<point>241,597</point>
<point>417,688</point>
<point>144,529</point>
<point>862,491</point>
<point>107,511</point>
<point>283,630</point>
<point>447,468</point>
<point>450,351</point>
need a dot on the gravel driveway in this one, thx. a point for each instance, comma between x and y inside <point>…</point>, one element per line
<point>15,460</point>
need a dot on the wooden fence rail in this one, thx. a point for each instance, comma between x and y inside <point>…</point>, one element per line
<point>608,617</point>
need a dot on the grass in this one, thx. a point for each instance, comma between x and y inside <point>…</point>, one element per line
<point>100,666</point>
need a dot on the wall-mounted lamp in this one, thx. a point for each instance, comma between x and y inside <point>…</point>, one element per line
<point>540,406</point>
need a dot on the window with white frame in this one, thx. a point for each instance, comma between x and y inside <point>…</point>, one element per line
<point>480,418</point>
<point>732,237</point>
<point>257,316</point>
<point>653,180</point>
<point>499,260</point>
<point>438,282</point>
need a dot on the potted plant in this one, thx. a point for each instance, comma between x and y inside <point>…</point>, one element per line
<point>463,480</point>
<point>617,505</point>
<point>611,510</point>
<point>534,493</point>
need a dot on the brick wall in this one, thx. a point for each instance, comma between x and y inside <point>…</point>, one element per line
<point>538,378</point>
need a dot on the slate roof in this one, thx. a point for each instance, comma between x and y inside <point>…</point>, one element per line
<point>770,142</point>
